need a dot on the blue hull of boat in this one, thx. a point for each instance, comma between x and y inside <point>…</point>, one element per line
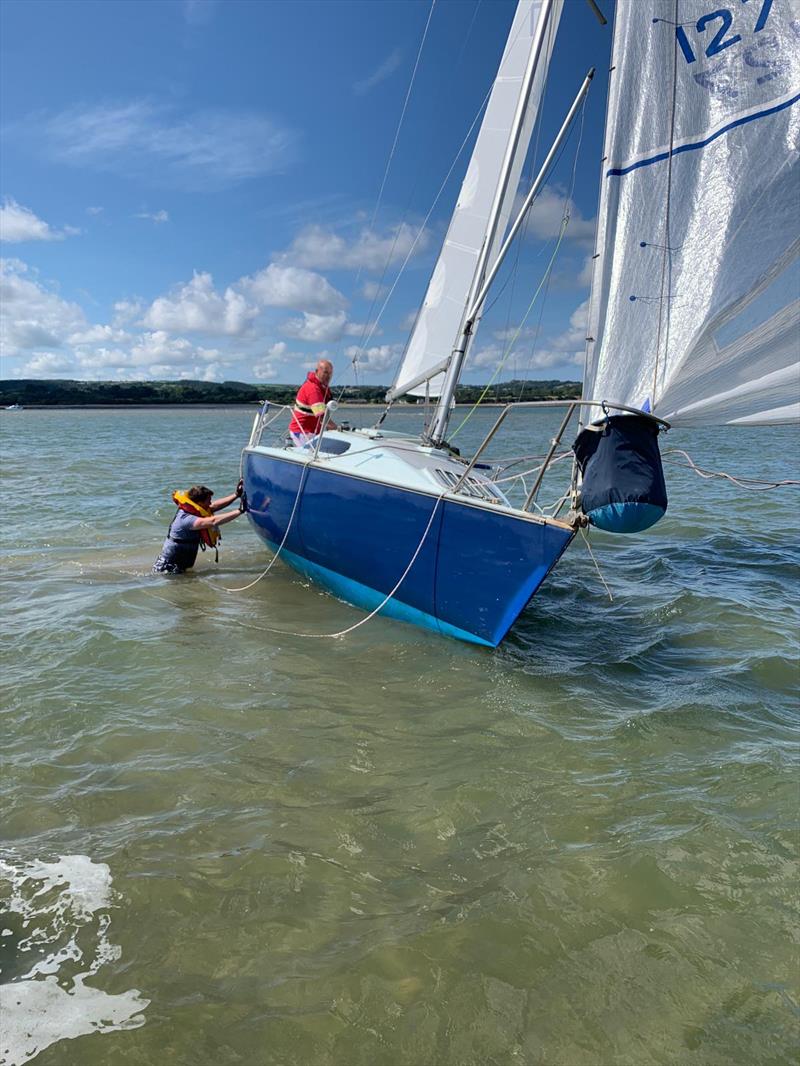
<point>476,571</point>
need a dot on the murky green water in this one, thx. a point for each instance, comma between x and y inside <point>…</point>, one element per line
<point>224,845</point>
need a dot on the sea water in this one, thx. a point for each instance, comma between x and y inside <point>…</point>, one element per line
<point>227,843</point>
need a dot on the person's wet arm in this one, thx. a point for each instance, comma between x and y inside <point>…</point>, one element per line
<point>225,501</point>
<point>217,519</point>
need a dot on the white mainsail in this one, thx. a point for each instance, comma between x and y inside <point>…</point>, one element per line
<point>696,288</point>
<point>437,326</point>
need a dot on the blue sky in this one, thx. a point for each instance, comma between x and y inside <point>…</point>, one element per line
<point>188,186</point>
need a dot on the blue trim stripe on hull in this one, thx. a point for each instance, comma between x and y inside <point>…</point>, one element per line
<point>362,596</point>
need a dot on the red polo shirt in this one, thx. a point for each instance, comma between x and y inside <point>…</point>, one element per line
<point>309,407</point>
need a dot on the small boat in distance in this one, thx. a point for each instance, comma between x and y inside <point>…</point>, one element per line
<point>15,407</point>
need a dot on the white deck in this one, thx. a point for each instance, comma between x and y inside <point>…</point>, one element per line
<point>392,459</point>
<point>395,459</point>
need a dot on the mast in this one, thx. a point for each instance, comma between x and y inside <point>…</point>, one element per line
<point>442,415</point>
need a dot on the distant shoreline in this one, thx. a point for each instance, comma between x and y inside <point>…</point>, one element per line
<point>41,393</point>
<point>252,405</point>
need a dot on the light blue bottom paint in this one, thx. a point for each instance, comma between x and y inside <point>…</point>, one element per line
<point>626,517</point>
<point>363,596</point>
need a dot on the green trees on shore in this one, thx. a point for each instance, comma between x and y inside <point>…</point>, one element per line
<point>33,393</point>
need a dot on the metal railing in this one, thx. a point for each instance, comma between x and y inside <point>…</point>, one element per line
<point>462,484</point>
<point>571,406</point>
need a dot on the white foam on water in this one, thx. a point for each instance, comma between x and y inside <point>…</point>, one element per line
<point>63,906</point>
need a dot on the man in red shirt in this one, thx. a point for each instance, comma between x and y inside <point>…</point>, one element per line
<point>309,406</point>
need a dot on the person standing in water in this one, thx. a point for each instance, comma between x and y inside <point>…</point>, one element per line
<point>309,406</point>
<point>196,524</point>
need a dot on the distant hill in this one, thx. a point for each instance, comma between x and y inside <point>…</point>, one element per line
<point>36,392</point>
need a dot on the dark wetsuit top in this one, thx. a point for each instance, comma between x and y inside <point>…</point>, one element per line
<point>179,550</point>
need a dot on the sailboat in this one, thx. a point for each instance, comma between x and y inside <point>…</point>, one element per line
<point>693,320</point>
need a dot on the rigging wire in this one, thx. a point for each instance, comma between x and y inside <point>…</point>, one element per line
<point>666,258</point>
<point>390,254</point>
<point>402,114</point>
<point>551,30</point>
<point>421,230</point>
<point>567,201</point>
<point>363,340</point>
<point>545,279</point>
<point>596,564</point>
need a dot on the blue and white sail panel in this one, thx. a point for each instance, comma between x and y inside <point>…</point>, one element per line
<point>695,308</point>
<point>437,326</point>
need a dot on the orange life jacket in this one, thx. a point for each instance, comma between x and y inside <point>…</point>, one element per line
<point>208,537</point>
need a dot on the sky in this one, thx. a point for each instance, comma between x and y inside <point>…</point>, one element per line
<point>198,189</point>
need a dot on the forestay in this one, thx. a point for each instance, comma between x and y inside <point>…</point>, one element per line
<point>437,325</point>
<point>695,308</point>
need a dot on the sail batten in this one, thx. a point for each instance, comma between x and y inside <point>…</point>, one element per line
<point>471,227</point>
<point>695,305</point>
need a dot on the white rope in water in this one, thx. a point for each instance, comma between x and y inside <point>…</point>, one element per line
<point>367,618</point>
<point>596,564</point>
<point>756,484</point>
<point>274,558</point>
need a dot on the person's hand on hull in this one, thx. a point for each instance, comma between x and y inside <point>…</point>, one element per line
<point>196,525</point>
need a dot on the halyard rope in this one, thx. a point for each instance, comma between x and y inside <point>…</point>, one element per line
<point>756,484</point>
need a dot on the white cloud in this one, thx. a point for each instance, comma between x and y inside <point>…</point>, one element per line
<point>316,246</point>
<point>514,333</point>
<point>46,365</point>
<point>197,307</point>
<point>37,320</point>
<point>267,369</point>
<point>98,335</point>
<point>33,316</point>
<point>288,286</point>
<point>489,355</point>
<point>154,216</point>
<point>362,329</point>
<point>126,311</point>
<point>95,210</point>
<point>565,350</point>
<point>18,223</point>
<point>159,346</point>
<point>264,370</point>
<point>371,290</point>
<point>198,150</point>
<point>384,70</point>
<point>321,329</point>
<point>585,276</point>
<point>575,337</point>
<point>377,359</point>
<point>547,213</point>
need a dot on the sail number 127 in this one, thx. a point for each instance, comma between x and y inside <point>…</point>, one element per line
<point>721,20</point>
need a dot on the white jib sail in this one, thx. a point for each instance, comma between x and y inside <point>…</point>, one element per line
<point>695,295</point>
<point>436,328</point>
